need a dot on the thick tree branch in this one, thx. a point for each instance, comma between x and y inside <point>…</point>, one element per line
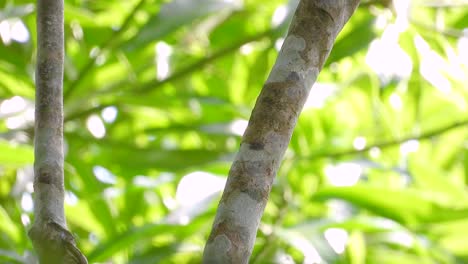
<point>53,243</point>
<point>311,35</point>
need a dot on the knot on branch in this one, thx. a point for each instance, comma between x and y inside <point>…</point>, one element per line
<point>55,245</point>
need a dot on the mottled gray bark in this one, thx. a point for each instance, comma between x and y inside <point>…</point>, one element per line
<point>51,240</point>
<point>309,41</point>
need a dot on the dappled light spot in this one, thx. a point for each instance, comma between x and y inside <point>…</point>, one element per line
<point>20,112</point>
<point>246,49</point>
<point>319,93</point>
<point>401,237</point>
<point>93,238</point>
<point>169,202</point>
<point>104,175</point>
<point>395,101</point>
<point>96,126</point>
<point>109,114</point>
<point>112,193</point>
<point>402,10</point>
<point>337,239</point>
<point>303,244</point>
<point>21,120</point>
<point>12,105</point>
<point>237,127</point>
<point>70,198</point>
<point>409,146</point>
<point>462,46</point>
<point>194,194</point>
<point>279,43</point>
<point>375,152</point>
<point>284,258</point>
<point>77,30</point>
<point>386,57</point>
<point>27,202</point>
<point>95,51</point>
<point>339,210</point>
<point>343,174</point>
<point>163,53</point>
<point>359,143</point>
<point>151,182</point>
<point>432,66</point>
<point>13,30</point>
<point>25,220</point>
<point>197,186</point>
<point>279,15</point>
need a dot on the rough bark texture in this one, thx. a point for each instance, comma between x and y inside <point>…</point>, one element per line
<point>51,240</point>
<point>311,35</point>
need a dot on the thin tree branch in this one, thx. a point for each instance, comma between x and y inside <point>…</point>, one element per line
<point>448,32</point>
<point>53,243</point>
<point>182,73</point>
<point>386,144</point>
<point>86,112</point>
<point>152,85</point>
<point>92,61</point>
<point>310,38</point>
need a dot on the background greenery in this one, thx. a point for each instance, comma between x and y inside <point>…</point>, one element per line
<point>157,94</point>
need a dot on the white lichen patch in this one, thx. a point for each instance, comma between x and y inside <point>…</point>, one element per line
<point>222,243</point>
<point>311,77</point>
<point>246,153</point>
<point>290,60</point>
<point>273,148</point>
<point>243,211</point>
<point>277,144</point>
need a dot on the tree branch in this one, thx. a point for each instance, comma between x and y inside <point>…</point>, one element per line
<point>308,43</point>
<point>390,143</point>
<point>152,85</point>
<point>92,61</point>
<point>187,70</point>
<point>53,243</point>
<point>448,32</point>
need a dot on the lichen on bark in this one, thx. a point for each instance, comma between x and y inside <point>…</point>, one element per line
<point>308,43</point>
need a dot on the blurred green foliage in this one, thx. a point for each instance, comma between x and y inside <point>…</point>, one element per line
<point>157,94</point>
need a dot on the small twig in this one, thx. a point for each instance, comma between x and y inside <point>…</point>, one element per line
<point>448,32</point>
<point>152,85</point>
<point>91,62</point>
<point>387,144</point>
<point>198,65</point>
<point>86,112</point>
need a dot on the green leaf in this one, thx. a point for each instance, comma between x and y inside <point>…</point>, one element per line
<point>174,15</point>
<point>8,228</point>
<point>409,207</point>
<point>138,234</point>
<point>357,39</point>
<point>15,155</point>
<point>15,84</point>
